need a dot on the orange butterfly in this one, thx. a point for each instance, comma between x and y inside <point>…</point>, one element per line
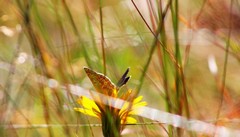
<point>103,84</point>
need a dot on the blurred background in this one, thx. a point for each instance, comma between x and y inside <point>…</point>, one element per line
<point>183,58</point>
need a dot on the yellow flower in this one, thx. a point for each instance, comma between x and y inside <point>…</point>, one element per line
<point>91,108</point>
<point>113,119</point>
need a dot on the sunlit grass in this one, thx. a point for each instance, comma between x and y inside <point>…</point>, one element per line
<point>45,45</point>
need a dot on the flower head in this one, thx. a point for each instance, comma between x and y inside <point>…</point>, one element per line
<point>113,119</point>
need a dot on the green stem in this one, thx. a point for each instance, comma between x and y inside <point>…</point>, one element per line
<point>102,38</point>
<point>153,46</point>
<point>87,58</point>
<point>225,62</point>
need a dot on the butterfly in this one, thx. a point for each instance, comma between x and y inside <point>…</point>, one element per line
<point>103,84</point>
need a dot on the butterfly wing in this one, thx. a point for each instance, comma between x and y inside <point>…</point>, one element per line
<point>124,79</point>
<point>100,82</point>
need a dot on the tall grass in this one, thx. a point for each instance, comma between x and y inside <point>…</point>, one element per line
<point>58,38</point>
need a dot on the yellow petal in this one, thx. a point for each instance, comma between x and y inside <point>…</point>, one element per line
<point>138,99</point>
<point>88,104</point>
<point>140,104</point>
<point>86,112</point>
<point>135,108</point>
<point>126,95</point>
<point>134,112</point>
<point>131,120</point>
<point>136,104</point>
<point>124,108</point>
